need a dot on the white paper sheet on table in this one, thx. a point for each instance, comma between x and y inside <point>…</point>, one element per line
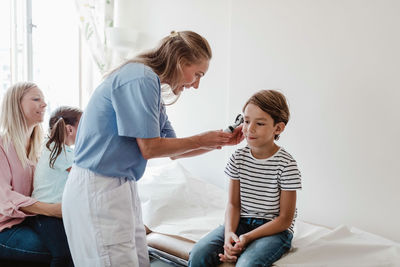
<point>342,246</point>
<point>176,203</point>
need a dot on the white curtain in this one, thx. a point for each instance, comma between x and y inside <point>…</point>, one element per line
<point>108,27</point>
<point>95,17</point>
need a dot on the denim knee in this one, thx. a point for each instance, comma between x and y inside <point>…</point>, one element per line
<point>203,258</point>
<point>266,250</point>
<point>62,261</point>
<point>21,243</point>
<point>205,252</point>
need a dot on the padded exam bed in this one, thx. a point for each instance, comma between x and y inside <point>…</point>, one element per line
<point>179,209</point>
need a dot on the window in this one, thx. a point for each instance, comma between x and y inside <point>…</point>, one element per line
<point>55,46</point>
<point>40,42</point>
<point>5,46</point>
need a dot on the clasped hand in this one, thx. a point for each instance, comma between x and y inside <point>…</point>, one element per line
<point>233,247</point>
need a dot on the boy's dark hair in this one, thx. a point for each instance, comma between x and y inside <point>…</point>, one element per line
<point>272,102</point>
<point>61,117</point>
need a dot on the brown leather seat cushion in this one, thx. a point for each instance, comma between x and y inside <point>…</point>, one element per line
<point>174,245</point>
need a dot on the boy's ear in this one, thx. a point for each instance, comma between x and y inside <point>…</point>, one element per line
<point>280,127</point>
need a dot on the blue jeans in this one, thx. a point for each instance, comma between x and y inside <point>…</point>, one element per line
<point>22,243</point>
<point>261,252</point>
<point>52,234</point>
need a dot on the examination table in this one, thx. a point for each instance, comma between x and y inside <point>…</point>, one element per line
<point>180,209</point>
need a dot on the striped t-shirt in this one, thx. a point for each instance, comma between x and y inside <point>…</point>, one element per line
<point>261,181</point>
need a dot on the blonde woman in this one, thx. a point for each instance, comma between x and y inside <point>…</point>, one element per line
<point>22,112</point>
<point>123,126</point>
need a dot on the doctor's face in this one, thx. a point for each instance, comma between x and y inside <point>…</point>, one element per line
<point>191,75</point>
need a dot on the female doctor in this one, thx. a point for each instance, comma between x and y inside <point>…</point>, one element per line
<point>123,126</point>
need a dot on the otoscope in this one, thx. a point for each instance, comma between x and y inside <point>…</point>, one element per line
<point>239,120</point>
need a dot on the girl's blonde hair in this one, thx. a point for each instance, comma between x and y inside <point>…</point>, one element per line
<point>14,128</point>
<point>272,102</point>
<point>59,119</point>
<point>173,52</point>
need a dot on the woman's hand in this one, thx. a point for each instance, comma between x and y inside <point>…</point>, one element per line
<point>231,250</point>
<point>42,208</point>
<point>214,139</point>
<point>237,136</point>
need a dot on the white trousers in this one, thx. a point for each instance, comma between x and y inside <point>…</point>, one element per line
<point>103,221</point>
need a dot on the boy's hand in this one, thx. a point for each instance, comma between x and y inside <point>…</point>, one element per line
<point>231,252</point>
<point>242,243</point>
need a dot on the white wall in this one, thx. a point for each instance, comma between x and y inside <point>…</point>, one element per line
<point>206,108</point>
<point>338,62</point>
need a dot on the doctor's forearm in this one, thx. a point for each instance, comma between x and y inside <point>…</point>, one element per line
<point>172,147</point>
<point>192,153</point>
<point>166,147</point>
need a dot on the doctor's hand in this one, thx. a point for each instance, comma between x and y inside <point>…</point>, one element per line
<point>237,136</point>
<point>213,139</point>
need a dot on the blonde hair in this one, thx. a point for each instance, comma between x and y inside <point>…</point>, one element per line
<point>173,52</point>
<point>13,124</point>
<point>272,102</point>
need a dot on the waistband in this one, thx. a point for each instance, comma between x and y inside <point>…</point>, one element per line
<point>253,221</point>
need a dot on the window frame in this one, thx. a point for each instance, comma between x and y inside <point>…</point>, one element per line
<point>21,44</point>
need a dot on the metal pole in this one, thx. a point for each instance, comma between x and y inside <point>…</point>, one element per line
<point>29,49</point>
<point>14,43</point>
<point>80,69</point>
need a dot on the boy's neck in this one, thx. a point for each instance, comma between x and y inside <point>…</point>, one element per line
<point>264,152</point>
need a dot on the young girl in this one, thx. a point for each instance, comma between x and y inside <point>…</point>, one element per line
<point>50,178</point>
<point>264,178</point>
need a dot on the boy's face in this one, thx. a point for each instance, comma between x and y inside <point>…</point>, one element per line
<point>259,129</point>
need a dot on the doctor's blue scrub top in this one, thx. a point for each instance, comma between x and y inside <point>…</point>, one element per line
<point>125,106</point>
